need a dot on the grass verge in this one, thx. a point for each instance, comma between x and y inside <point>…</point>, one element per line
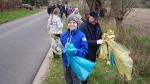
<point>12,15</point>
<point>55,75</point>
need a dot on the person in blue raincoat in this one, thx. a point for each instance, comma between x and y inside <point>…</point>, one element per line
<point>74,36</point>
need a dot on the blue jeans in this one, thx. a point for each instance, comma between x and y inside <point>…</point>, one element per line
<point>70,76</point>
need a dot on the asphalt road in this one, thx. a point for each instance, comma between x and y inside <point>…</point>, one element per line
<point>23,46</point>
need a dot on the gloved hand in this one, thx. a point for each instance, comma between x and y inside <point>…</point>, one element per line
<point>100,41</point>
<point>70,49</point>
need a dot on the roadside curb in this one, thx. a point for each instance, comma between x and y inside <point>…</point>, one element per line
<point>44,68</point>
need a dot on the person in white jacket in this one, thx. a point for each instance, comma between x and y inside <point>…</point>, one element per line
<point>54,23</point>
<point>54,27</point>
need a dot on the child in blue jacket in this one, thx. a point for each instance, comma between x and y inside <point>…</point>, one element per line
<point>74,36</point>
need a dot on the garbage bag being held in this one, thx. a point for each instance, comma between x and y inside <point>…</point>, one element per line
<point>70,49</point>
<point>123,61</point>
<point>117,54</point>
<point>80,66</point>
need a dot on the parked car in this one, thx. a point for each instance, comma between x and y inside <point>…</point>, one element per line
<point>18,7</point>
<point>27,6</point>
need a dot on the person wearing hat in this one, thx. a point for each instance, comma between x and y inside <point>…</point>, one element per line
<point>73,36</point>
<point>91,28</point>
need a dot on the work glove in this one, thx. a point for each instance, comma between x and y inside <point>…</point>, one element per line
<point>70,49</point>
<point>100,41</point>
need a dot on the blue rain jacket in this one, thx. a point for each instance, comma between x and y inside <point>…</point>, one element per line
<point>78,39</point>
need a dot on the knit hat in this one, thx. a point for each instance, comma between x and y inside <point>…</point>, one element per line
<point>72,17</point>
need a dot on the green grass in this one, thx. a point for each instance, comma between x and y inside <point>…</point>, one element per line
<point>106,74</point>
<point>55,75</point>
<point>12,15</point>
<point>102,74</point>
<point>147,78</point>
<point>131,29</point>
<point>136,38</point>
<point>145,40</point>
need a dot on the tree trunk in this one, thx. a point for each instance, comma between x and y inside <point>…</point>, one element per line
<point>90,4</point>
<point>119,24</point>
<point>96,5</point>
<point>116,8</point>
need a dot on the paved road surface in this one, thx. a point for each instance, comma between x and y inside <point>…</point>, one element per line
<point>23,46</point>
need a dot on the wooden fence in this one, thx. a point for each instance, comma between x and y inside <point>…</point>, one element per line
<point>6,5</point>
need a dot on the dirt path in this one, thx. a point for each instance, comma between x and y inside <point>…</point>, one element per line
<point>140,18</point>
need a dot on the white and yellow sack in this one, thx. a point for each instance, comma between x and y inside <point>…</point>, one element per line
<point>123,61</point>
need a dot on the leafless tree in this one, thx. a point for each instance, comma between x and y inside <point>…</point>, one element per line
<point>119,10</point>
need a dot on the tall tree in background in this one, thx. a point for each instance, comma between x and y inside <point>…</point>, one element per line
<point>94,5</point>
<point>97,5</point>
<point>120,9</point>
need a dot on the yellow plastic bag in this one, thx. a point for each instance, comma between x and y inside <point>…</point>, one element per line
<point>105,48</point>
<point>105,52</point>
<point>123,62</point>
<point>122,59</point>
